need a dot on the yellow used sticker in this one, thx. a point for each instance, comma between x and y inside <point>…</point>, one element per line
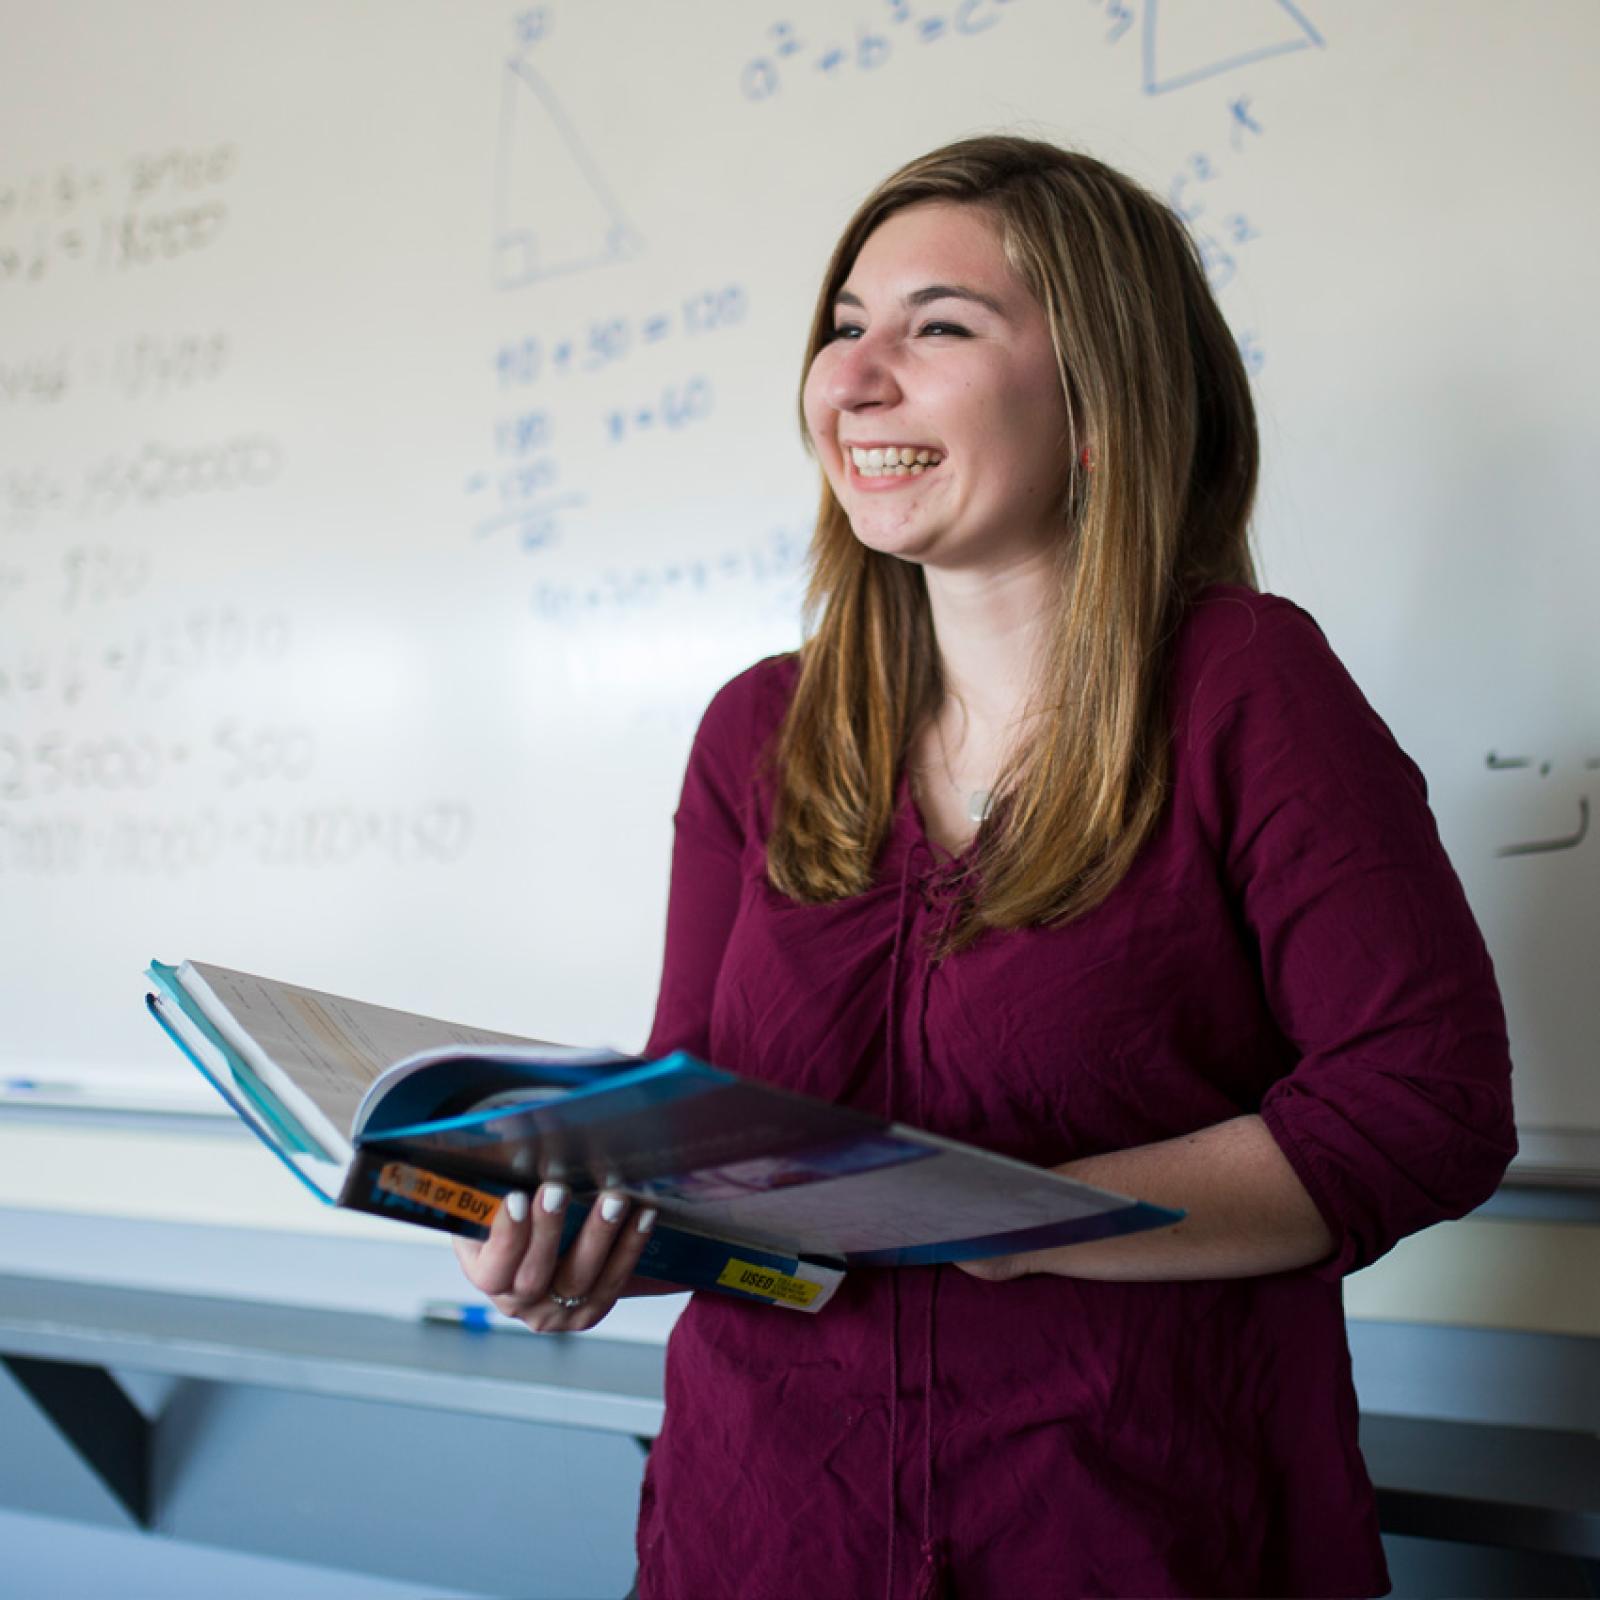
<point>770,1285</point>
<point>443,1194</point>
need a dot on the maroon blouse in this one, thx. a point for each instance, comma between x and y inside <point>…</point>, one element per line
<point>1292,941</point>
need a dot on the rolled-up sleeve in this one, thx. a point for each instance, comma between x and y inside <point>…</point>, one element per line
<point>1397,1113</point>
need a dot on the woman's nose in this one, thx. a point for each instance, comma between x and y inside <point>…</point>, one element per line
<point>860,375</point>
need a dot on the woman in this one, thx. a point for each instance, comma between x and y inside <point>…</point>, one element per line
<point>1058,837</point>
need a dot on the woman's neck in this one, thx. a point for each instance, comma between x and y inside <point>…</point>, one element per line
<point>990,629</point>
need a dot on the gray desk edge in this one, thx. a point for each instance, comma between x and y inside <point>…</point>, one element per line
<point>1525,1487</point>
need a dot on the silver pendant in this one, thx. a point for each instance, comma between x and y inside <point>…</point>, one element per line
<point>978,803</point>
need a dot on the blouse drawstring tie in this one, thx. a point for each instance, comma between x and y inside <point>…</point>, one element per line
<point>933,1574</point>
<point>933,1580</point>
<point>894,1282</point>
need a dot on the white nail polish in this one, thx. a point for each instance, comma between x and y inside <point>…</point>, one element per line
<point>612,1207</point>
<point>517,1205</point>
<point>647,1220</point>
<point>553,1197</point>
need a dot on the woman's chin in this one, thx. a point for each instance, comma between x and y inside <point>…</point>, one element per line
<point>901,546</point>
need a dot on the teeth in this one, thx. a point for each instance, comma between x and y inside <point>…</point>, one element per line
<point>890,460</point>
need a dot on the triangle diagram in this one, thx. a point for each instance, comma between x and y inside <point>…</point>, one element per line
<point>554,212</point>
<point>1187,41</point>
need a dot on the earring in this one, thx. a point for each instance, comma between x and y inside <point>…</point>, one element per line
<point>1087,459</point>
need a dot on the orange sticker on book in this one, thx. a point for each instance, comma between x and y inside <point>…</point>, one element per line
<point>770,1285</point>
<point>443,1194</point>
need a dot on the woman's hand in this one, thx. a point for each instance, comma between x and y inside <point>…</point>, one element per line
<point>522,1270</point>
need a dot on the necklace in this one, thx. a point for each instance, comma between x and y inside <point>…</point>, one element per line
<point>979,801</point>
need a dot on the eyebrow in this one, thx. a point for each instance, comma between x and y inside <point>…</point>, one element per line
<point>934,291</point>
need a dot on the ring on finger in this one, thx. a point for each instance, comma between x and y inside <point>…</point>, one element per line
<point>568,1302</point>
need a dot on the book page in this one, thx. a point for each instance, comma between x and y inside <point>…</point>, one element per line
<point>321,1052</point>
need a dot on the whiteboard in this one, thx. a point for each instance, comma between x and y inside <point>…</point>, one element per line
<point>397,448</point>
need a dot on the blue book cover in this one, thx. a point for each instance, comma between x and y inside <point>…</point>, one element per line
<point>760,1192</point>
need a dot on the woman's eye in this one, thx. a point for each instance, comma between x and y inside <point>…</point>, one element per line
<point>953,328</point>
<point>845,330</point>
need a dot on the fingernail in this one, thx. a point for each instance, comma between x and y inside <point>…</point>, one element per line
<point>553,1197</point>
<point>647,1220</point>
<point>517,1205</point>
<point>612,1207</point>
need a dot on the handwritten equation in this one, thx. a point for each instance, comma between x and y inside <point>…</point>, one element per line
<point>57,761</point>
<point>793,55</point>
<point>149,477</point>
<point>150,209</point>
<point>525,360</point>
<point>673,407</point>
<point>777,559</point>
<point>83,577</point>
<point>184,843</point>
<point>144,366</point>
<point>144,661</point>
<point>527,489</point>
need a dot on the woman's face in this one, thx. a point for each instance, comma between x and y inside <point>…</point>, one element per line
<point>941,353</point>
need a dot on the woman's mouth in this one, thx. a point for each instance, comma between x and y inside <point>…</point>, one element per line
<point>882,465</point>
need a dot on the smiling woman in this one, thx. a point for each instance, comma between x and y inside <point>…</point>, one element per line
<point>938,350</point>
<point>1058,837</point>
<point>1058,317</point>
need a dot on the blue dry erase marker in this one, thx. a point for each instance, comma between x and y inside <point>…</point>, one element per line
<point>481,1319</point>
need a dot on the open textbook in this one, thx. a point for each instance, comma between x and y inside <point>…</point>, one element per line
<point>760,1192</point>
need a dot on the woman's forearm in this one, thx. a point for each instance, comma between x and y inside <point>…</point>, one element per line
<point>1247,1212</point>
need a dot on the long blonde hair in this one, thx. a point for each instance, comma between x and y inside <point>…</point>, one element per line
<point>1154,385</point>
